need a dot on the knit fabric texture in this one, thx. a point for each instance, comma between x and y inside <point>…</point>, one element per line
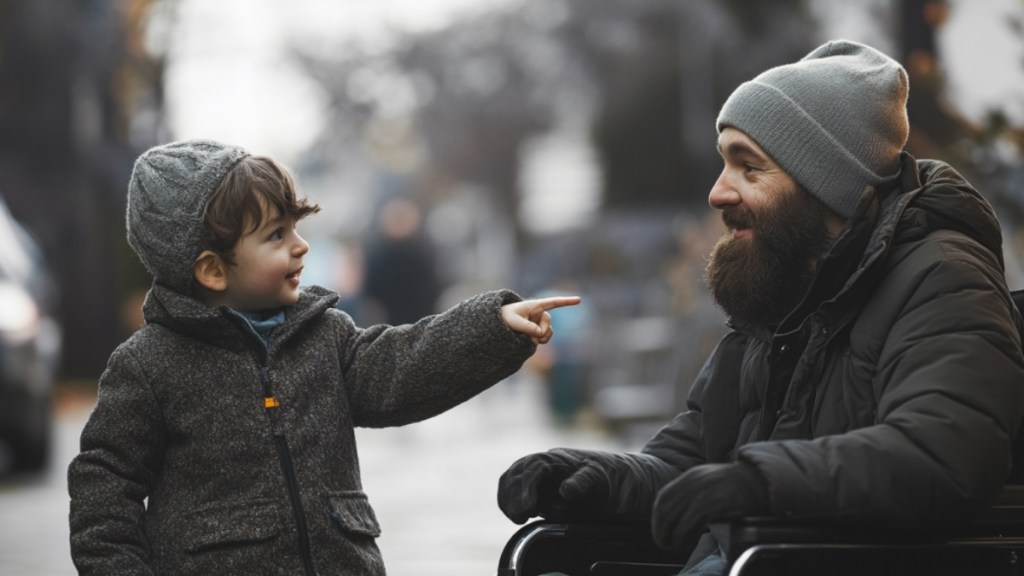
<point>836,121</point>
<point>169,189</point>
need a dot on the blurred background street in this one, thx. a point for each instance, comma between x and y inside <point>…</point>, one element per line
<point>455,146</point>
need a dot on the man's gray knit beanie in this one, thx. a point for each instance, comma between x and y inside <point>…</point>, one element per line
<point>167,196</point>
<point>836,121</point>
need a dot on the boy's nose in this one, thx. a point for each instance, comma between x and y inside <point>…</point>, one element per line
<point>301,246</point>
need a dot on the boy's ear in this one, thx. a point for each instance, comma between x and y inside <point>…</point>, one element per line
<point>210,271</point>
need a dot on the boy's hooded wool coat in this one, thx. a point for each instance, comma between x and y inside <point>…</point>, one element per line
<point>185,469</point>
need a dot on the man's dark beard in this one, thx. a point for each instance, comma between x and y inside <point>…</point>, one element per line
<point>762,278</point>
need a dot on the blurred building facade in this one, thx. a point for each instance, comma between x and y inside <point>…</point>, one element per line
<point>79,96</point>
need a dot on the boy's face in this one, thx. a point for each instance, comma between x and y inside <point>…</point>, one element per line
<point>268,263</point>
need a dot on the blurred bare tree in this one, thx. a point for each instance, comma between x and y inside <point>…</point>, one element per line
<point>646,77</point>
<point>989,152</point>
<point>662,70</point>
<point>462,100</point>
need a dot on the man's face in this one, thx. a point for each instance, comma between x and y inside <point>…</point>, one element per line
<point>764,263</point>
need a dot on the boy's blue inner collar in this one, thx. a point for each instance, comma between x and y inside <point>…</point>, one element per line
<point>264,321</point>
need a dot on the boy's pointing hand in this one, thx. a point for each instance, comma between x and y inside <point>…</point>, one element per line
<point>531,316</point>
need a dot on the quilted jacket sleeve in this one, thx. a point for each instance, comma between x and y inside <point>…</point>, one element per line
<point>690,439</point>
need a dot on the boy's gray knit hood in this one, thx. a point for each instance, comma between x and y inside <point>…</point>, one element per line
<point>836,121</point>
<point>168,192</point>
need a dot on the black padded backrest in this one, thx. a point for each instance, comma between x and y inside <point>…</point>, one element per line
<point>1017,473</point>
<point>1018,298</point>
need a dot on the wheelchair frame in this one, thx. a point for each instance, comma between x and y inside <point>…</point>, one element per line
<point>991,545</point>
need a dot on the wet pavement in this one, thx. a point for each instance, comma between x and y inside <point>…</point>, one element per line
<point>432,484</point>
<point>34,508</point>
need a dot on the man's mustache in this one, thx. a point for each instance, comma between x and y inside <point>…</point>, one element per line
<point>737,217</point>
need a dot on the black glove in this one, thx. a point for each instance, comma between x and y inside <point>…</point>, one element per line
<point>704,494</point>
<point>559,484</point>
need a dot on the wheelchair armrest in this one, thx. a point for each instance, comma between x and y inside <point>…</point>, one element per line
<point>598,549</point>
<point>992,539</point>
<point>1004,518</point>
<point>1007,510</point>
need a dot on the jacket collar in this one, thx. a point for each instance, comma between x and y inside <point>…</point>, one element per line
<point>220,326</point>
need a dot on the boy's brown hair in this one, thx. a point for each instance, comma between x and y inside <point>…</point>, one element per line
<point>255,184</point>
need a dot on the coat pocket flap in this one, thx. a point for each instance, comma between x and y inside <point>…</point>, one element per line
<point>232,523</point>
<point>352,512</point>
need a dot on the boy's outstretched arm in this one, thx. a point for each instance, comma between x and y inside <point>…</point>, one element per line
<point>531,316</point>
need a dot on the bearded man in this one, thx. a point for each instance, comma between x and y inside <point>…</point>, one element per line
<point>874,370</point>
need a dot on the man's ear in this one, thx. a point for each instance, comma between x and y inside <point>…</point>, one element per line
<point>210,271</point>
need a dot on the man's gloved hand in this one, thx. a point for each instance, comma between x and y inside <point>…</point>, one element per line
<point>559,484</point>
<point>704,494</point>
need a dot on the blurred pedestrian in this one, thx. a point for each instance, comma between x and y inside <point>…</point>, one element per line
<point>874,371</point>
<point>564,364</point>
<point>401,283</point>
<point>222,441</point>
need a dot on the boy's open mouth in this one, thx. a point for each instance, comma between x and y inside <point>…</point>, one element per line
<point>293,275</point>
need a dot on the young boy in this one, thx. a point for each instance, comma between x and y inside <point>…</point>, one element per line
<point>222,440</point>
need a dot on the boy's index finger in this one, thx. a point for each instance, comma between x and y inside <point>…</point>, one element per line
<point>557,302</point>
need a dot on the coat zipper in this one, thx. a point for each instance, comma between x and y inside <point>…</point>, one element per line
<point>281,443</point>
<point>270,403</point>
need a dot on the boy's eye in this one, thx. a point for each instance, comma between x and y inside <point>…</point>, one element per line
<point>277,234</point>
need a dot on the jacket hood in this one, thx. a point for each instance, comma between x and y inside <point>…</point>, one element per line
<point>948,202</point>
<point>931,196</point>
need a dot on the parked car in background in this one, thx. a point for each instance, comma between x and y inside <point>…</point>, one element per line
<point>30,345</point>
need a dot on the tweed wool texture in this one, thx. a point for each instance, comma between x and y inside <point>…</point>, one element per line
<point>169,189</point>
<point>836,121</point>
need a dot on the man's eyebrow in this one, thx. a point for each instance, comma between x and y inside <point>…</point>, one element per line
<point>739,149</point>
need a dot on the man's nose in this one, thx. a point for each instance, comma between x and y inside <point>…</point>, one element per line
<point>723,194</point>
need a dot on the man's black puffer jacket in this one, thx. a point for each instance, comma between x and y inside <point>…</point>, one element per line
<point>895,391</point>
